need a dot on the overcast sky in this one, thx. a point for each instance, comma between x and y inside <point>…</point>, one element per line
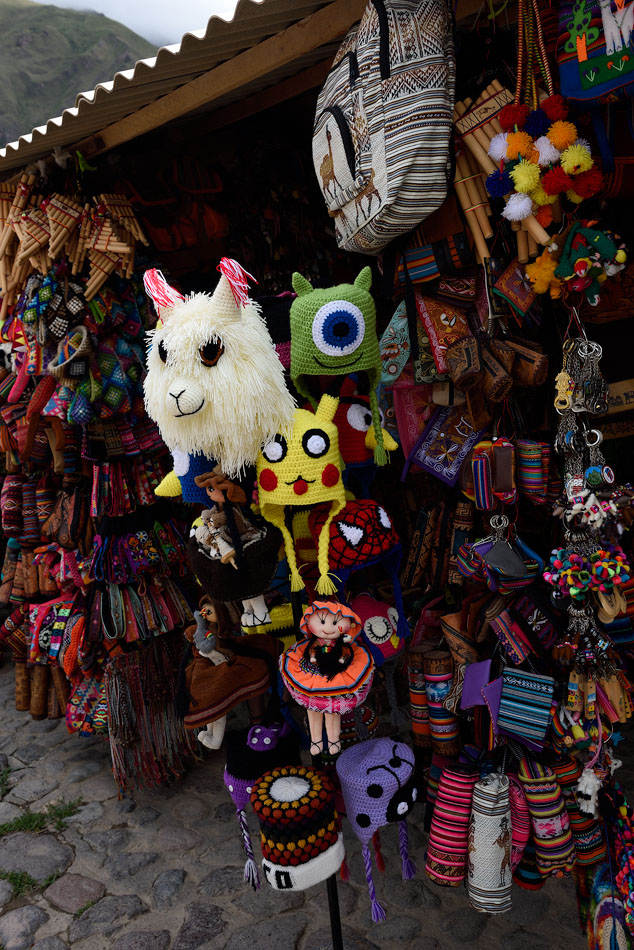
<point>161,21</point>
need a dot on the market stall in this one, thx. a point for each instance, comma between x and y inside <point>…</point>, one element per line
<point>316,409</point>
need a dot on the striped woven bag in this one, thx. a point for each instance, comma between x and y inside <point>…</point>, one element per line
<point>383,123</point>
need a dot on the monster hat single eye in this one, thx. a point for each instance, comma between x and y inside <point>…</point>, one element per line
<point>338,328</point>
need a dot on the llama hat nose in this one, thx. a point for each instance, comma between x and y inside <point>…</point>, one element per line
<point>185,397</point>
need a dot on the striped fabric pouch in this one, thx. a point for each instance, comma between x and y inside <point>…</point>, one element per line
<point>554,845</point>
<point>446,862</point>
<point>520,821</point>
<point>525,706</point>
<point>490,834</point>
<point>586,831</point>
<point>512,639</point>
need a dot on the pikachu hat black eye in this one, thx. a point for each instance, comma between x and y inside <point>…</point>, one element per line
<point>315,443</point>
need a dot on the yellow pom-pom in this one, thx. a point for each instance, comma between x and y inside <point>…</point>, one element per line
<point>576,159</point>
<point>519,145</point>
<point>525,176</point>
<point>540,197</point>
<point>562,134</point>
<point>620,257</point>
<point>574,197</point>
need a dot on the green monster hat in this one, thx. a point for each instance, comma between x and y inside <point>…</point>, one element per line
<point>333,333</point>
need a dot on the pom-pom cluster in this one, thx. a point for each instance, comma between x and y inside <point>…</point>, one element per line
<point>540,157</point>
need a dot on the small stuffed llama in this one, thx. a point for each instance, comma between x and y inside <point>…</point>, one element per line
<point>215,385</point>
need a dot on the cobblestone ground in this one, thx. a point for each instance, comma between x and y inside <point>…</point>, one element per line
<point>165,870</point>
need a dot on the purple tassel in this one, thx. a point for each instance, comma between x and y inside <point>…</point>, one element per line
<point>251,875</point>
<point>409,868</point>
<point>378,913</point>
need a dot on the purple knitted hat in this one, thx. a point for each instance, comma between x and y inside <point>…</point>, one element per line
<point>378,786</point>
<point>245,764</point>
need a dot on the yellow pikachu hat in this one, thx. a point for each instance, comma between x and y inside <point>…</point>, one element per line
<point>303,469</point>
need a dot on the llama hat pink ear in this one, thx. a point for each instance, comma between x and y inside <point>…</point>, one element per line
<point>234,278</point>
<point>159,291</point>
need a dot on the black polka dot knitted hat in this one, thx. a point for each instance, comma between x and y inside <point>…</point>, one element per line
<point>377,782</point>
<point>251,753</point>
<point>301,837</point>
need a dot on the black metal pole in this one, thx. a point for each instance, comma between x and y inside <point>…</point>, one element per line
<point>331,883</point>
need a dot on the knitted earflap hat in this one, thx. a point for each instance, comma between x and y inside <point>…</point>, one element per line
<point>302,842</point>
<point>333,333</point>
<point>378,786</point>
<point>302,470</point>
<point>381,631</point>
<point>360,535</point>
<point>245,764</point>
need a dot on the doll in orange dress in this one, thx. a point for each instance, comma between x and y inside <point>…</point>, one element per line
<point>329,672</point>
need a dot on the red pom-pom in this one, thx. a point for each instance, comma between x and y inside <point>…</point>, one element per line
<point>588,183</point>
<point>512,115</point>
<point>556,181</point>
<point>555,108</point>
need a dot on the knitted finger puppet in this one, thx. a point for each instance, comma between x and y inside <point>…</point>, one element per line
<point>215,385</point>
<point>328,672</point>
<point>302,842</point>
<point>233,557</point>
<point>378,786</point>
<point>245,763</point>
<point>333,333</point>
<point>303,469</point>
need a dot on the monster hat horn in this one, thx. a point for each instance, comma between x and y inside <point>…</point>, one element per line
<point>333,333</point>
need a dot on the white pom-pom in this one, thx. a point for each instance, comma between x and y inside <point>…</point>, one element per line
<point>588,793</point>
<point>498,146</point>
<point>548,154</point>
<point>584,143</point>
<point>518,207</point>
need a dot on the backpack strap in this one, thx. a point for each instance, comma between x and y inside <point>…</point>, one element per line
<point>605,138</point>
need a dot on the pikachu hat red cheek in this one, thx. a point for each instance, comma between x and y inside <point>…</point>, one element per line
<point>304,469</point>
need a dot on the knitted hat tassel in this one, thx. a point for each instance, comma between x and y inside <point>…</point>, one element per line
<point>380,454</point>
<point>325,586</point>
<point>378,912</point>
<point>251,875</point>
<point>409,868</point>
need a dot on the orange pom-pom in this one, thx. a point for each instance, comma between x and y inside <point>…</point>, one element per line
<point>519,145</point>
<point>562,134</point>
<point>544,215</point>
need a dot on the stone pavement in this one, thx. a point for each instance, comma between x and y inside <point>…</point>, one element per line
<point>164,872</point>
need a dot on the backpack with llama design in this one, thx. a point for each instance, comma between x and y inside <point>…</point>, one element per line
<point>383,122</point>
<point>594,50</point>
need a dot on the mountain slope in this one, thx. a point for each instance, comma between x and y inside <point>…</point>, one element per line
<point>48,55</point>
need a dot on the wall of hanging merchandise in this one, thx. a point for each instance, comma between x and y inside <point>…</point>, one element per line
<point>400,481</point>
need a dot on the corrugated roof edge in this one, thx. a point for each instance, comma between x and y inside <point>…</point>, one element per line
<point>128,76</point>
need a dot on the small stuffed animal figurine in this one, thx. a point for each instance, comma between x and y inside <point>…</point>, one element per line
<point>215,386</point>
<point>227,541</point>
<point>328,672</point>
<point>224,671</point>
<point>333,333</point>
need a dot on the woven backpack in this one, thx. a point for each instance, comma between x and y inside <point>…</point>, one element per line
<point>383,122</point>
